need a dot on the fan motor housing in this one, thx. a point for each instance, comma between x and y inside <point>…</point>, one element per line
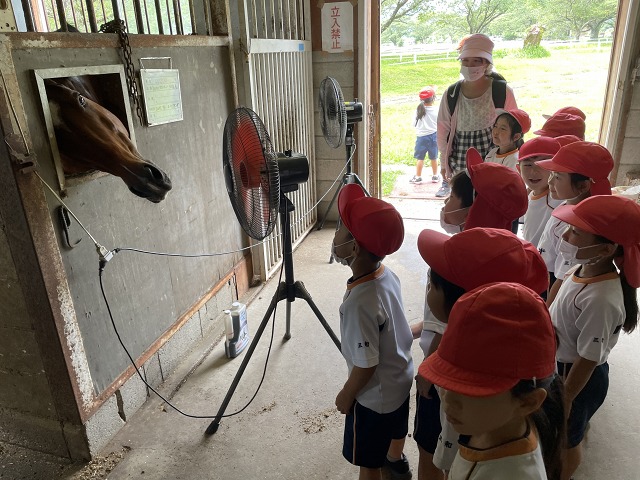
<point>354,111</point>
<point>294,170</point>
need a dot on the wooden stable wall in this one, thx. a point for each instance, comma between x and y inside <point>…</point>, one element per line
<point>63,372</point>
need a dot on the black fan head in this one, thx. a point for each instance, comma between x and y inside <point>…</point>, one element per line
<point>251,172</point>
<point>333,115</point>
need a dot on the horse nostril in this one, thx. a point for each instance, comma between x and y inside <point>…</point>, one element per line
<point>158,176</point>
<point>155,172</point>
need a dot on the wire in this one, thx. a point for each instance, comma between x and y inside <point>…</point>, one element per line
<point>104,252</point>
<point>115,329</point>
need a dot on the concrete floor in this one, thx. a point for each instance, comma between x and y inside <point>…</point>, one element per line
<point>292,429</point>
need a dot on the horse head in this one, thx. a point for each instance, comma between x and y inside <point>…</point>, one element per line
<point>91,137</point>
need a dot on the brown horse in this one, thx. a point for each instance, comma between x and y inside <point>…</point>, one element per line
<point>91,137</point>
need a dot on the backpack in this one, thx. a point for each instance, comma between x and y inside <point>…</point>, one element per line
<point>498,92</point>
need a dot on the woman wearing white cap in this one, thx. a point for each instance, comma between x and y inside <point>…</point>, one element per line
<point>468,110</point>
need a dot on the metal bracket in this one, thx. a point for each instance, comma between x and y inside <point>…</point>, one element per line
<point>27,161</point>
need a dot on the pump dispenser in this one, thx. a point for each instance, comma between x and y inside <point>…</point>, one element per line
<point>236,330</point>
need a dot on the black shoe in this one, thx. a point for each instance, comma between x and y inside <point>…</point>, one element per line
<point>398,470</point>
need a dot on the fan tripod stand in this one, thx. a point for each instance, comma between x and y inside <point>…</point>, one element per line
<point>288,290</point>
<point>348,177</point>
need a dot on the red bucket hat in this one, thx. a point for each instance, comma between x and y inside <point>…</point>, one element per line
<point>375,224</point>
<point>497,335</point>
<point>571,111</point>
<point>613,217</point>
<point>586,158</point>
<point>567,139</point>
<point>427,92</point>
<point>563,124</point>
<point>520,116</point>
<point>501,195</point>
<point>538,147</point>
<point>480,256</point>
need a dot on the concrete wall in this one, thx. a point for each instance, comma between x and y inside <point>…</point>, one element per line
<point>629,168</point>
<point>161,305</point>
<point>342,67</point>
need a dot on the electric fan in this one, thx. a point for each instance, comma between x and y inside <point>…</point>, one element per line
<point>251,172</point>
<point>333,114</point>
<point>337,119</point>
<point>257,179</point>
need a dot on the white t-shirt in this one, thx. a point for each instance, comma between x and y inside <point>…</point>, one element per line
<point>588,314</point>
<point>428,124</point>
<point>375,332</point>
<point>548,244</point>
<point>537,216</point>
<point>509,159</point>
<point>520,459</point>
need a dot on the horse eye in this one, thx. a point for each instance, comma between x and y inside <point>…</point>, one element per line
<point>82,101</point>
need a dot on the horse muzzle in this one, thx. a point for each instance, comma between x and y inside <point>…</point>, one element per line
<point>152,183</point>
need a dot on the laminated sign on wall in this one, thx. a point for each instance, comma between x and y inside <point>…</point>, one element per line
<point>161,91</point>
<point>337,27</point>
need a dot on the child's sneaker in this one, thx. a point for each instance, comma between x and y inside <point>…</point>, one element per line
<point>415,179</point>
<point>444,190</point>
<point>435,179</point>
<point>398,470</point>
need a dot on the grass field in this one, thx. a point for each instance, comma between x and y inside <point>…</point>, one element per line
<point>575,76</point>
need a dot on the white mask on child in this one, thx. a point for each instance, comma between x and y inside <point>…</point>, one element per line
<point>471,74</point>
<point>344,261</point>
<point>569,252</point>
<point>450,228</point>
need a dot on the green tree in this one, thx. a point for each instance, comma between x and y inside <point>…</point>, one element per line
<point>394,10</point>
<point>468,16</point>
<point>579,16</point>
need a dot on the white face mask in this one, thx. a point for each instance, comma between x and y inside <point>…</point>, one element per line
<point>344,261</point>
<point>450,228</point>
<point>471,74</point>
<point>569,252</point>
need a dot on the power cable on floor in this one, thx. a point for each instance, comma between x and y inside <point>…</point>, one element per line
<point>113,324</point>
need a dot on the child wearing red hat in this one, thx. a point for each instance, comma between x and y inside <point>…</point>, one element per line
<point>508,130</point>
<point>563,124</point>
<point>458,264</point>
<point>483,195</point>
<point>541,204</point>
<point>596,301</point>
<point>578,170</point>
<point>426,124</point>
<point>570,110</point>
<point>376,339</point>
<point>495,368</point>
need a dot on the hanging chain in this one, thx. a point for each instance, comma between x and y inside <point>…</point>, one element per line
<point>119,27</point>
<point>372,134</point>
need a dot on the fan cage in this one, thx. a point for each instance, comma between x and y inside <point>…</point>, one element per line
<point>251,167</point>
<point>333,114</point>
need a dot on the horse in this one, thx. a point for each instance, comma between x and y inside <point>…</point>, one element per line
<point>91,136</point>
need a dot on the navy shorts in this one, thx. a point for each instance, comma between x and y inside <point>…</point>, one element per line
<point>586,403</point>
<point>368,434</point>
<point>426,427</point>
<point>427,144</point>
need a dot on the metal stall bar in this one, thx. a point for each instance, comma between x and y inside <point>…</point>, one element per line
<point>137,11</point>
<point>177,17</point>
<point>61,18</point>
<point>159,17</point>
<point>91,13</point>
<point>28,16</point>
